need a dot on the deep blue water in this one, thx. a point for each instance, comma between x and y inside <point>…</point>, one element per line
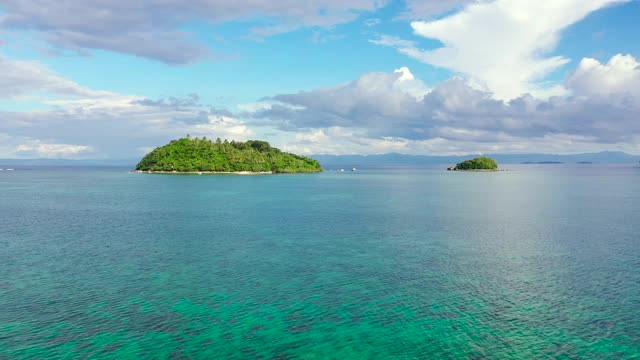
<point>390,263</point>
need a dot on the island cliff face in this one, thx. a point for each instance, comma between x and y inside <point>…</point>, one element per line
<point>203,155</point>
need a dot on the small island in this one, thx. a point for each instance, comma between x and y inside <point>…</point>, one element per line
<point>477,164</point>
<point>203,156</point>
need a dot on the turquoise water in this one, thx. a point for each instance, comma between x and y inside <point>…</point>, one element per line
<point>539,262</point>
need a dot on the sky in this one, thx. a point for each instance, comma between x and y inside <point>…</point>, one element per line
<point>112,79</point>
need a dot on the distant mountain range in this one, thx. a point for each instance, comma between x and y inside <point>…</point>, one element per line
<point>605,157</point>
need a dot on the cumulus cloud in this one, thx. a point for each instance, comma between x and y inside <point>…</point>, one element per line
<point>620,76</point>
<point>107,124</point>
<point>344,141</point>
<point>378,106</point>
<point>501,44</point>
<point>373,100</point>
<point>378,112</point>
<point>341,141</point>
<point>151,28</point>
<point>117,130</point>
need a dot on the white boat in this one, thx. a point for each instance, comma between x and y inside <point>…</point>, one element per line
<point>354,169</point>
<point>9,169</point>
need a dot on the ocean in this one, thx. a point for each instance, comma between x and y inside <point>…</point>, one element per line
<point>542,261</point>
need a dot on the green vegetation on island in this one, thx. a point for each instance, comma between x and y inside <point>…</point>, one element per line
<point>203,155</point>
<point>477,164</point>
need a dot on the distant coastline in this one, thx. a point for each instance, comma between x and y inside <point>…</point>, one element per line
<point>395,159</point>
<point>349,161</point>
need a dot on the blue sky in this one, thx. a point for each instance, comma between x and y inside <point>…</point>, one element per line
<point>112,79</point>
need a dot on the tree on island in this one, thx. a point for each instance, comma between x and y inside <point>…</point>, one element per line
<point>194,155</point>
<point>481,163</point>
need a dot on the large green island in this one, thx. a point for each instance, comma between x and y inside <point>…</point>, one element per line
<point>195,155</point>
<point>477,164</point>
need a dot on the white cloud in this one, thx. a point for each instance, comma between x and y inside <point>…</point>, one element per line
<point>503,44</point>
<point>115,129</point>
<point>619,76</point>
<point>408,83</point>
<point>342,141</point>
<point>106,124</point>
<point>347,141</point>
<point>372,22</point>
<point>221,126</point>
<point>375,113</point>
<point>155,28</point>
<point>20,78</point>
<point>377,110</point>
<point>393,41</point>
<point>36,148</point>
<point>254,106</point>
<point>421,9</point>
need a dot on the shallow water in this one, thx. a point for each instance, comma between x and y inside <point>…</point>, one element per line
<point>384,263</point>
